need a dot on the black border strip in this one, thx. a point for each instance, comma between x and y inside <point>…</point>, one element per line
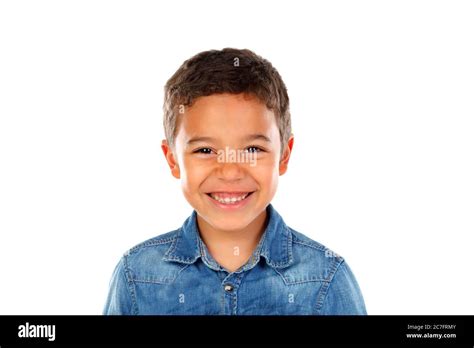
<point>241,330</point>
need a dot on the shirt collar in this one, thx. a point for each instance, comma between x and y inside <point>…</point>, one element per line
<point>275,244</point>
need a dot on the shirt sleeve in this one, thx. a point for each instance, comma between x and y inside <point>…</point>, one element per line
<point>343,297</point>
<point>119,299</point>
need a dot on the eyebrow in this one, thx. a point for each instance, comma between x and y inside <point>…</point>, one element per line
<point>258,137</point>
<point>250,137</point>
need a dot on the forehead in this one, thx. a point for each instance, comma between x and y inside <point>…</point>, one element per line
<point>227,114</point>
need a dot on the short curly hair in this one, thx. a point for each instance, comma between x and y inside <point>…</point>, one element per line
<point>229,70</point>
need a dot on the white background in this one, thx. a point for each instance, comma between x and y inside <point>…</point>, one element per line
<point>382,100</point>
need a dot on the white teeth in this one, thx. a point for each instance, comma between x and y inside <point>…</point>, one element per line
<point>228,200</point>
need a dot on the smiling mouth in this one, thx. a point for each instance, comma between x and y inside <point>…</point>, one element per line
<point>229,197</point>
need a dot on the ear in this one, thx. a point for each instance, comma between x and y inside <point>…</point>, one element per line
<point>170,158</point>
<point>285,158</point>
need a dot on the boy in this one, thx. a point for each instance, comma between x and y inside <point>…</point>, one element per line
<point>228,139</point>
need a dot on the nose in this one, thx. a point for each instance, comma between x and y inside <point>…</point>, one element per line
<point>229,171</point>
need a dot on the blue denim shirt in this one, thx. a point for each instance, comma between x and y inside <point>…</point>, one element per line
<point>288,274</point>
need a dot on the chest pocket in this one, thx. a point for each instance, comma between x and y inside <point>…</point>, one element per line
<point>274,292</point>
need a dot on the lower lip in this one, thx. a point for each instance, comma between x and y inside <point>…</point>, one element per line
<point>232,206</point>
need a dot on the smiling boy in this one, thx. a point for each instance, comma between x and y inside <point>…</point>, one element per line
<point>234,255</point>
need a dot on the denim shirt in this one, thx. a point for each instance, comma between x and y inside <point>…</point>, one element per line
<point>288,274</point>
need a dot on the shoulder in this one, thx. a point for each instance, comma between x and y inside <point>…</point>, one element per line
<point>158,242</point>
<point>304,244</point>
<point>147,256</point>
<point>312,261</point>
<point>339,293</point>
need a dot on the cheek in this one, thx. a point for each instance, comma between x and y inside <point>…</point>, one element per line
<point>192,174</point>
<point>266,174</point>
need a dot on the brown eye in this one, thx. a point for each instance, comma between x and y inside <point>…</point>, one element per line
<point>204,150</point>
<point>253,149</point>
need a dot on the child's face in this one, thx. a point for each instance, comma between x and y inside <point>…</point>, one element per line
<point>225,178</point>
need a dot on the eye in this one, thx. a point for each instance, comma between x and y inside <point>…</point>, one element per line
<point>204,150</point>
<point>253,149</point>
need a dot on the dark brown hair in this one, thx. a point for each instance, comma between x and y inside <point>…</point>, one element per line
<point>229,70</point>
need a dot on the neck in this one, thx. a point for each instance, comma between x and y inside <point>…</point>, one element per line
<point>232,248</point>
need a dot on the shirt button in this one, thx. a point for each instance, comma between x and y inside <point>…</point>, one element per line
<point>228,288</point>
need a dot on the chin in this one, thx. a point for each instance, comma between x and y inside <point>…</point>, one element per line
<point>226,223</point>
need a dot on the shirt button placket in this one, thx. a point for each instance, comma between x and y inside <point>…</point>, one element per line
<point>230,288</point>
<point>230,298</point>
